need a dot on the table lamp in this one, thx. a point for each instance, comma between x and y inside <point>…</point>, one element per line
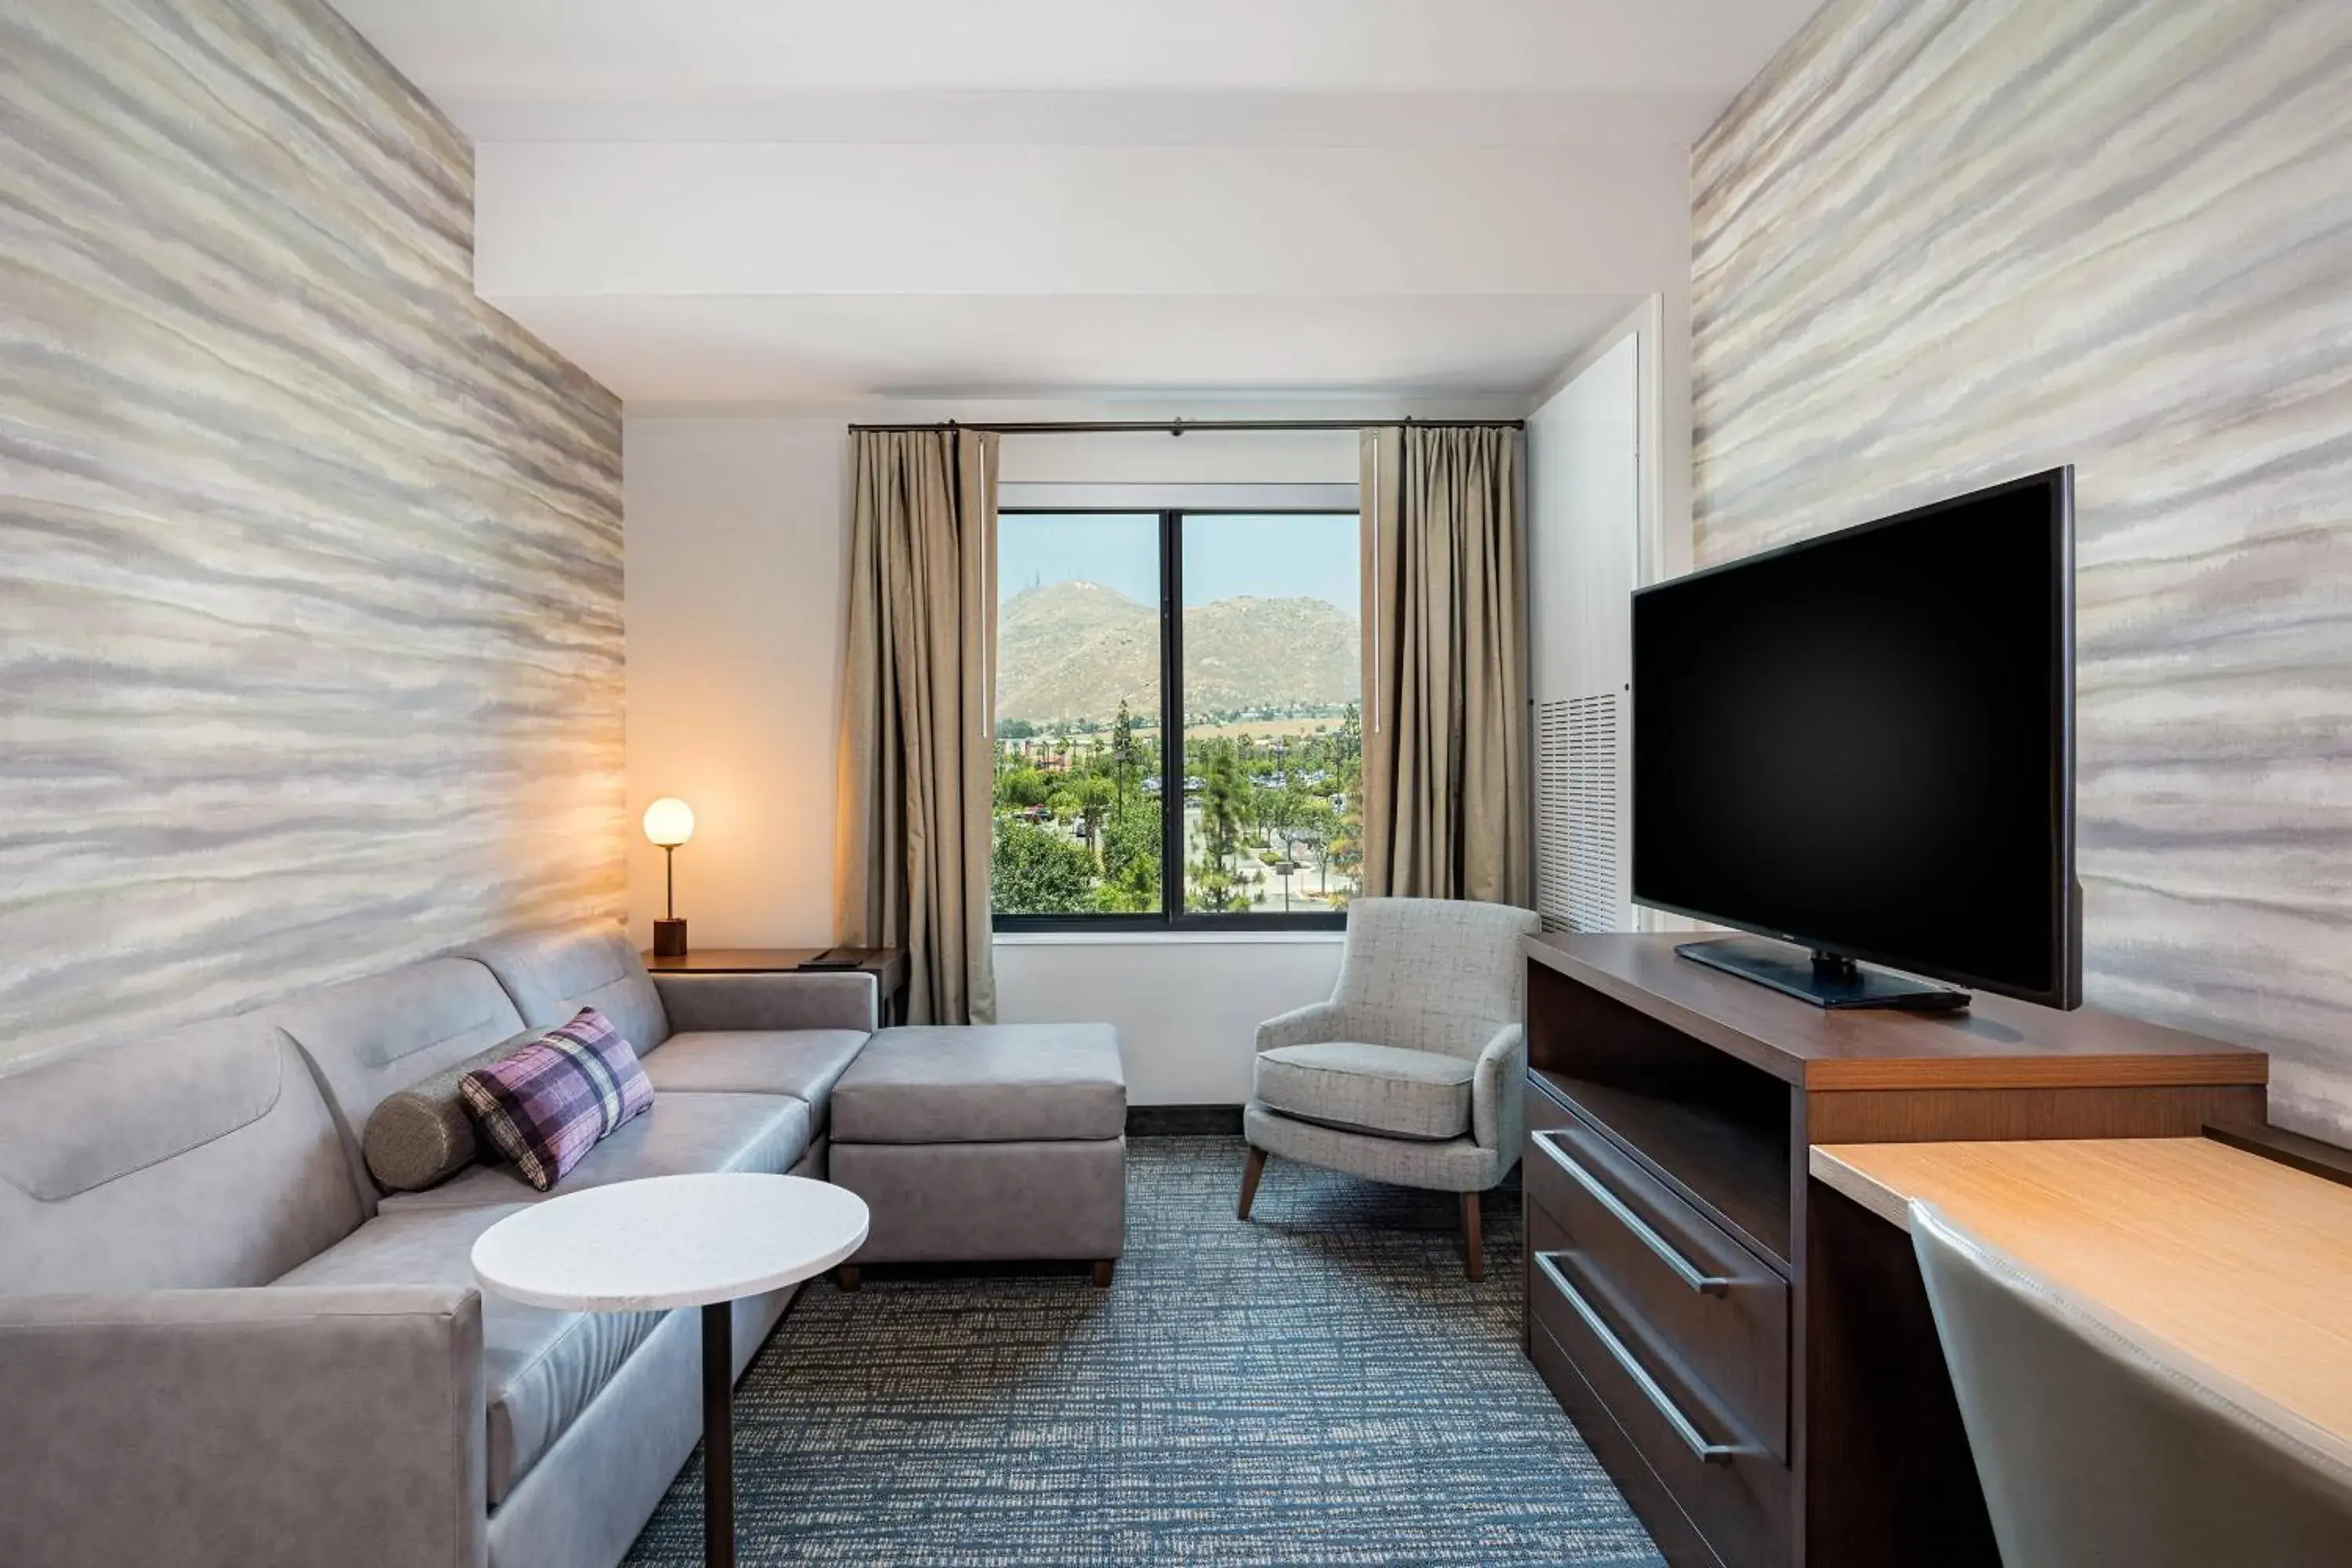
<point>669,823</point>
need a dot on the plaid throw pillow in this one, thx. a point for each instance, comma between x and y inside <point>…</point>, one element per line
<point>547,1105</point>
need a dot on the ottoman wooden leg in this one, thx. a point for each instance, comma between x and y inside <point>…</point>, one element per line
<point>1103,1267</point>
<point>848,1277</point>
<point>1250,1173</point>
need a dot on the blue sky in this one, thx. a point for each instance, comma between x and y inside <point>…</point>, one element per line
<point>1270,557</point>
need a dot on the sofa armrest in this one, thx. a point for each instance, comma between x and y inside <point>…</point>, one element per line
<point>823,999</point>
<point>1499,1094</point>
<point>1311,1025</point>
<point>244,1426</point>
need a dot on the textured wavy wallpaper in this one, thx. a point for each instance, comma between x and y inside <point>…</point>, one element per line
<point>1940,242</point>
<point>310,651</point>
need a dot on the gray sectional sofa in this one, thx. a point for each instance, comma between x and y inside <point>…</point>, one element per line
<point>220,1343</point>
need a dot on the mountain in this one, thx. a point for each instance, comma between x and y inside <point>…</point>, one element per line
<point>1270,653</point>
<point>1074,650</point>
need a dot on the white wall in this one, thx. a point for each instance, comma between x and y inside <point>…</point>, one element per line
<point>1186,1005</point>
<point>738,533</point>
<point>738,544</point>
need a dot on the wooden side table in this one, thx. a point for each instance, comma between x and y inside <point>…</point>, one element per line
<point>887,964</point>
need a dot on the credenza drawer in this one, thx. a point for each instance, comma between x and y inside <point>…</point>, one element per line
<point>1697,1300</point>
<point>1736,1497</point>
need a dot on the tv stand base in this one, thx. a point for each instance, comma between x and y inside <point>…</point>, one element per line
<point>1823,979</point>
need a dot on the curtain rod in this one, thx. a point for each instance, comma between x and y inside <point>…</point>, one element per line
<point>1178,426</point>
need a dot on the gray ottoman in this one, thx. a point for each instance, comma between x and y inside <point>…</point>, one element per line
<point>976,1142</point>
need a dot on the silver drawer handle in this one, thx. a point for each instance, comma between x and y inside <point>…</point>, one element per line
<point>1706,1452</point>
<point>1668,1253</point>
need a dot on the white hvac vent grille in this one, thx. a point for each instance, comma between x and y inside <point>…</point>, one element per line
<point>1578,885</point>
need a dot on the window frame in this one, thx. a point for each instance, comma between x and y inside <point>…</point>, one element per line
<point>1170,916</point>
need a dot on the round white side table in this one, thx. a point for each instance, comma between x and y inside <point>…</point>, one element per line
<point>678,1241</point>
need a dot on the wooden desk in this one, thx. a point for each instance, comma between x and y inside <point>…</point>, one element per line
<point>2237,1265</point>
<point>887,964</point>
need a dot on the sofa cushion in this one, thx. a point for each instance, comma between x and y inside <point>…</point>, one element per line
<point>680,1134</point>
<point>191,1158</point>
<point>551,974</point>
<point>974,1084</point>
<point>1369,1089</point>
<point>775,999</point>
<point>373,1036</point>
<point>421,1136</point>
<point>546,1105</point>
<point>803,1063</point>
<point>541,1370</point>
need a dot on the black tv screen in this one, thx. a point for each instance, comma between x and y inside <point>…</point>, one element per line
<point>1864,742</point>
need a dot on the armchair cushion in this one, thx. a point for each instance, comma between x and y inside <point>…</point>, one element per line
<point>1365,1088</point>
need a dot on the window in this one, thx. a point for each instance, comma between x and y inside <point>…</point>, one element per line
<point>1179,735</point>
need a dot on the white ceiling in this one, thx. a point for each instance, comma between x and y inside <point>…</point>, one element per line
<point>1585,87</point>
<point>687,69</point>
<point>803,348</point>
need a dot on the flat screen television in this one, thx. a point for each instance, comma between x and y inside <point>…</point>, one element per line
<point>1864,744</point>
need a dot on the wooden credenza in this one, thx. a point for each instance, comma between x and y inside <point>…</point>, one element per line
<point>1747,1351</point>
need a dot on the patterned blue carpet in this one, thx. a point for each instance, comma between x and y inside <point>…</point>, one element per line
<point>1319,1386</point>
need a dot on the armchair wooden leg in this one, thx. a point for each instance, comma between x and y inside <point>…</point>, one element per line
<point>1473,1250</point>
<point>1250,1173</point>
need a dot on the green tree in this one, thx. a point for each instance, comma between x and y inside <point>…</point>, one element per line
<point>1023,787</point>
<point>1277,811</point>
<point>1039,872</point>
<point>1344,853</point>
<point>1316,821</point>
<point>1130,858</point>
<point>1095,797</point>
<point>1123,754</point>
<point>1218,885</point>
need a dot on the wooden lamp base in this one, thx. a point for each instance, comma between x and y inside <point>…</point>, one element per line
<point>669,939</point>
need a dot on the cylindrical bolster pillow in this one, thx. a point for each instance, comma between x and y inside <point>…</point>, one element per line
<point>422,1136</point>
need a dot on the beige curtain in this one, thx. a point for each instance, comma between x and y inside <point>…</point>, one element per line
<point>1446,785</point>
<point>916,773</point>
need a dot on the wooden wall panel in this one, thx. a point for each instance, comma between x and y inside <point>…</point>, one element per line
<point>311,655</point>
<point>1941,242</point>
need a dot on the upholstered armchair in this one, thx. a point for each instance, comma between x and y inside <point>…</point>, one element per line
<point>1412,1072</point>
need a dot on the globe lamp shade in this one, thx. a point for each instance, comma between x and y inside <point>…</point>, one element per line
<point>669,822</point>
